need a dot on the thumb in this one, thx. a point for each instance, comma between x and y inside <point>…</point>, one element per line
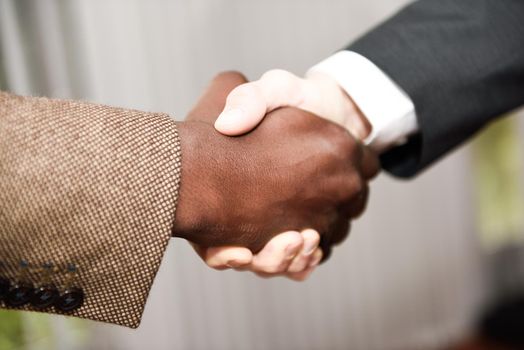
<point>245,108</point>
<point>212,100</point>
<point>248,103</point>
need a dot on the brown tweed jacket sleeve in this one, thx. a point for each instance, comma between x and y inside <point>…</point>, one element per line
<point>87,202</point>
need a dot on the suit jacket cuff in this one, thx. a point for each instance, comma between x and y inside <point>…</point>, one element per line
<point>88,186</point>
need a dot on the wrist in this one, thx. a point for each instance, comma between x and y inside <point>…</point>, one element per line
<point>338,106</point>
<point>188,216</point>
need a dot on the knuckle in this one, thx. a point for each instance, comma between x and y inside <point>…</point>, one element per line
<point>286,85</point>
<point>356,186</point>
<point>343,144</point>
<point>277,75</point>
<point>349,146</point>
<point>244,91</point>
<point>349,192</point>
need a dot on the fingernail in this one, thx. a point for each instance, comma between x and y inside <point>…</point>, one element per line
<point>229,117</point>
<point>315,261</point>
<point>291,251</point>
<point>309,248</point>
<point>233,264</point>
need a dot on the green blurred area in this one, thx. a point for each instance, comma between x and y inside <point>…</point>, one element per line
<point>25,331</point>
<point>39,331</point>
<point>11,330</point>
<point>498,188</point>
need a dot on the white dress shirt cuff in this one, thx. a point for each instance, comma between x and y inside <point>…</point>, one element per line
<point>387,107</point>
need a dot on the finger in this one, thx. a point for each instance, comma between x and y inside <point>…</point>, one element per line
<point>221,258</point>
<point>212,102</point>
<point>358,205</point>
<point>304,274</point>
<point>297,276</point>
<point>267,275</point>
<point>340,231</point>
<point>313,239</point>
<point>248,103</point>
<point>301,275</point>
<point>335,236</point>
<point>370,163</point>
<point>278,253</point>
<point>325,246</point>
<point>301,261</point>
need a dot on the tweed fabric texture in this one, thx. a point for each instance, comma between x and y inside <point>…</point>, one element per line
<point>88,185</point>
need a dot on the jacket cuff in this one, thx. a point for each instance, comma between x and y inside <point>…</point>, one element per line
<point>87,203</point>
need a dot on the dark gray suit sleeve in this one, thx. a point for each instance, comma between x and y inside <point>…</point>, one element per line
<point>461,62</point>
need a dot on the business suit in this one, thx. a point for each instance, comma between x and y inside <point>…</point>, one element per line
<point>80,219</point>
<point>462,64</point>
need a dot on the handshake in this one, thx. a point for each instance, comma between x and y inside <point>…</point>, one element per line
<point>271,185</point>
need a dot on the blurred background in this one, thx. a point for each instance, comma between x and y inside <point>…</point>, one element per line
<point>420,266</point>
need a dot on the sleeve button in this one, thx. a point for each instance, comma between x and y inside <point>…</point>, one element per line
<point>44,297</point>
<point>71,300</point>
<point>19,295</point>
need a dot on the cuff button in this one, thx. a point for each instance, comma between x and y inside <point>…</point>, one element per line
<point>44,297</point>
<point>5,285</point>
<point>71,300</point>
<point>19,295</point>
